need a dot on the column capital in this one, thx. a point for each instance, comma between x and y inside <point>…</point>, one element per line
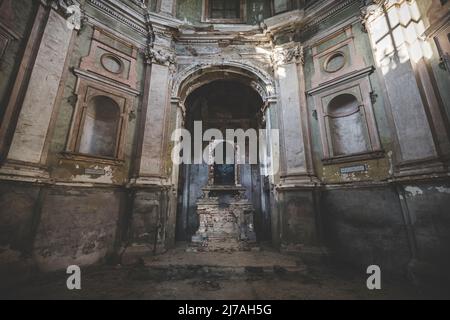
<point>160,56</point>
<point>289,54</point>
<point>371,9</point>
<point>69,9</point>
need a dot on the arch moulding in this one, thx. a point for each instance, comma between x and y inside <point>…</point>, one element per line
<point>195,76</point>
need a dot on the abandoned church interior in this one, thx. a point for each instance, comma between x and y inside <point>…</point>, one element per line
<point>357,92</point>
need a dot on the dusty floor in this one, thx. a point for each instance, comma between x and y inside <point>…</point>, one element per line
<point>230,276</point>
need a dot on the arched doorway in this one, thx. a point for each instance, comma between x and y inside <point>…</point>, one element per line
<point>250,81</point>
<point>223,104</point>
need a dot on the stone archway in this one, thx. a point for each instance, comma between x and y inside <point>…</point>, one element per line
<point>198,76</point>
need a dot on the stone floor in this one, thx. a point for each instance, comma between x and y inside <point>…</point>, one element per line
<point>240,275</point>
<point>265,259</point>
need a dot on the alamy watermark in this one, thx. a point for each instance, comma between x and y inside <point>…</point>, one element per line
<point>237,147</point>
<point>74,280</point>
<point>374,280</point>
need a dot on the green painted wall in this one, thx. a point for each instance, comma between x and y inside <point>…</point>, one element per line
<point>19,18</point>
<point>190,11</point>
<point>378,169</point>
<point>257,10</point>
<point>152,5</point>
<point>66,109</point>
<point>431,14</point>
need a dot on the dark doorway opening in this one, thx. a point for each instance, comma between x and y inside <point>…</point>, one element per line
<point>222,104</point>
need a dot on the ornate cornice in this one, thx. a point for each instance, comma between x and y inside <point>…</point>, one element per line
<point>140,3</point>
<point>326,13</point>
<point>160,56</point>
<point>109,10</point>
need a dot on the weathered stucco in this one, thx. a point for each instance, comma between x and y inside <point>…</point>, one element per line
<point>385,205</point>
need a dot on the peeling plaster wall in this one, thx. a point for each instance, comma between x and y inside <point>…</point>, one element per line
<point>58,226</point>
<point>190,11</point>
<point>152,5</point>
<point>363,217</point>
<point>366,226</point>
<point>77,222</point>
<point>10,12</point>
<point>428,210</point>
<point>77,226</point>
<point>377,169</point>
<point>433,15</point>
<point>68,101</point>
<point>298,220</point>
<point>257,11</point>
<point>153,220</point>
<point>17,220</point>
<point>64,170</point>
<point>360,216</point>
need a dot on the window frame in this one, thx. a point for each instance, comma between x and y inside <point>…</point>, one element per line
<point>206,14</point>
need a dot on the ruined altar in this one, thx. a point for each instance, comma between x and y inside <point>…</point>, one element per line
<point>225,214</point>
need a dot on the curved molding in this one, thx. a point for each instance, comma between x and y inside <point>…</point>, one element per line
<point>185,81</point>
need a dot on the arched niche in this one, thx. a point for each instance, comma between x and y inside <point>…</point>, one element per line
<point>100,127</point>
<point>346,124</point>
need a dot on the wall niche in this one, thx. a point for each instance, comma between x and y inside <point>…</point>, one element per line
<point>105,90</point>
<point>342,93</point>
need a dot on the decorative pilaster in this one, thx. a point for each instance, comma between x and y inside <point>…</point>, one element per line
<point>295,192</point>
<point>160,64</point>
<point>151,162</point>
<point>371,8</point>
<point>402,56</point>
<point>296,145</point>
<point>27,146</point>
<point>69,9</point>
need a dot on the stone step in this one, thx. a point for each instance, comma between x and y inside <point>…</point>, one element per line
<point>182,272</point>
<point>180,264</point>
